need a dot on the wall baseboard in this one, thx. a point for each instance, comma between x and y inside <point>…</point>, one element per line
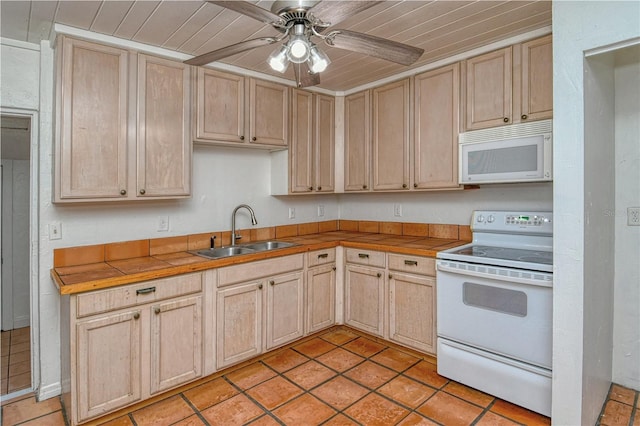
<point>49,391</point>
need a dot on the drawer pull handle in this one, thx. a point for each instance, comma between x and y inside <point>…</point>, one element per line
<point>411,262</point>
<point>136,315</point>
<point>363,255</point>
<point>146,290</point>
<point>378,274</point>
<point>323,256</point>
<point>156,310</point>
<point>272,282</point>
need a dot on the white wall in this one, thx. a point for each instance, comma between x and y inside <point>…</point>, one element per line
<point>577,26</point>
<point>19,74</point>
<point>626,330</point>
<point>449,207</point>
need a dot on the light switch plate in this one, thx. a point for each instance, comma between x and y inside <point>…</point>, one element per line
<point>320,210</point>
<point>292,212</point>
<point>55,231</point>
<point>163,223</point>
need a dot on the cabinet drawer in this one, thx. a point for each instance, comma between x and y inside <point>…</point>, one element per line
<point>365,257</point>
<point>412,264</point>
<point>321,257</point>
<point>135,294</point>
<point>259,269</point>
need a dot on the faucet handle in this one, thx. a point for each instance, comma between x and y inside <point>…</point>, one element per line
<point>213,241</point>
<point>238,237</point>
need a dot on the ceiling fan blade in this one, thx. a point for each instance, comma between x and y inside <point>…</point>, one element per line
<point>230,50</point>
<point>332,12</point>
<point>304,77</point>
<point>251,10</point>
<point>374,46</point>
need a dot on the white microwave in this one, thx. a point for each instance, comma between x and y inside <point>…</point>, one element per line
<point>516,153</point>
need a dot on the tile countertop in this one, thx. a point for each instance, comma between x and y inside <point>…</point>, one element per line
<point>95,276</point>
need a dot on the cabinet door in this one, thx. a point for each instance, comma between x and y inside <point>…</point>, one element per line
<point>324,143</point>
<point>91,151</point>
<point>536,89</point>
<point>108,363</point>
<point>391,136</point>
<point>412,311</point>
<point>220,106</point>
<point>284,309</point>
<point>239,323</point>
<point>301,154</point>
<point>436,128</point>
<point>488,90</point>
<point>176,343</point>
<point>164,143</point>
<point>357,141</point>
<point>269,113</point>
<point>364,298</point>
<point>321,297</point>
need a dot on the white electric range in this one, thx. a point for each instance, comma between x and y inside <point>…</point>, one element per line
<point>494,304</point>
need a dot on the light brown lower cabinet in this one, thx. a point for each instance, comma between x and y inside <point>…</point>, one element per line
<point>130,342</point>
<point>364,290</point>
<point>259,306</point>
<point>321,290</point>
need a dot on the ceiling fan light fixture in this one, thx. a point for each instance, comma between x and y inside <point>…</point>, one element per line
<point>299,46</point>
<point>278,59</point>
<point>318,60</point>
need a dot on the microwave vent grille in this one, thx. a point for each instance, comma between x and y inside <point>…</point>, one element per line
<point>520,130</point>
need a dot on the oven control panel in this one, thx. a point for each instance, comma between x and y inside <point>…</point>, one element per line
<point>509,221</point>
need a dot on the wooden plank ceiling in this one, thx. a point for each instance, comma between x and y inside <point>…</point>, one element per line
<point>441,28</point>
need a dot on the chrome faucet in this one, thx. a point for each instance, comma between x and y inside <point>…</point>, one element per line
<point>235,237</point>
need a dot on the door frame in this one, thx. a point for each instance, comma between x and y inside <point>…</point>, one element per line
<point>34,246</point>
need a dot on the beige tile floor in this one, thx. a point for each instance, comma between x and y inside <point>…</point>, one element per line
<point>16,360</point>
<point>339,377</point>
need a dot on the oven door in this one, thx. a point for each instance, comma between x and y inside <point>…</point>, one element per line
<point>498,311</point>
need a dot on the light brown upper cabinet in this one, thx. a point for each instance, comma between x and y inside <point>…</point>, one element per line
<point>391,131</point>
<point>535,79</point>
<point>357,141</point>
<point>509,85</point>
<point>436,124</point>
<point>234,110</point>
<point>122,125</point>
<point>311,154</point>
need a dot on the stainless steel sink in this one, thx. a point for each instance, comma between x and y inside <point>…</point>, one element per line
<point>219,252</point>
<point>268,245</point>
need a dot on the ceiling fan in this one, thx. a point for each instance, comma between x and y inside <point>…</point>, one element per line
<point>299,21</point>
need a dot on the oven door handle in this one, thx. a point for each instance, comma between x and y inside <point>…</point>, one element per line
<point>515,278</point>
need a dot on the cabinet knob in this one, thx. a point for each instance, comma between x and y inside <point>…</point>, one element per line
<point>260,287</point>
<point>156,310</point>
<point>334,268</point>
<point>136,315</point>
<point>254,139</point>
<point>142,192</point>
<point>378,274</point>
<point>404,185</point>
<point>311,188</point>
<point>415,185</point>
<point>319,188</point>
<point>123,192</point>
<point>524,116</point>
<point>506,119</point>
<point>272,282</point>
<point>390,276</point>
<point>364,186</point>
<point>242,137</point>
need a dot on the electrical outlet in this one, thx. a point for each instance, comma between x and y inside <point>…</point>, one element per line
<point>397,210</point>
<point>163,223</point>
<point>292,212</point>
<point>55,231</point>
<point>320,210</point>
<point>633,216</point>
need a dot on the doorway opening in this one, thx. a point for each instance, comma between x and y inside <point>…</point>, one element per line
<point>15,270</point>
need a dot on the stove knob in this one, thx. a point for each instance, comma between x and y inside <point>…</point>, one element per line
<point>480,219</point>
<point>490,219</point>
